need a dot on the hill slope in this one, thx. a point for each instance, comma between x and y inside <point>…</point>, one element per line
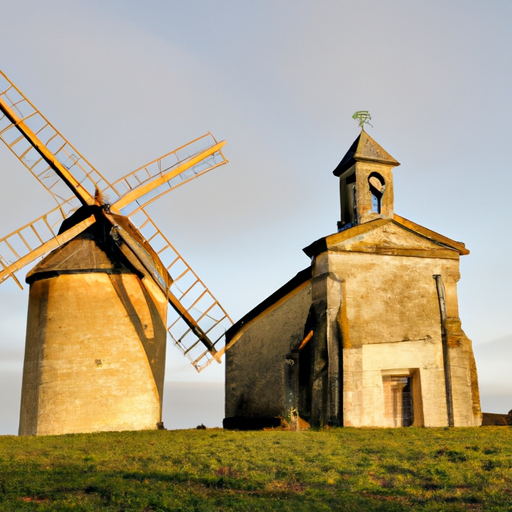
<point>336,469</point>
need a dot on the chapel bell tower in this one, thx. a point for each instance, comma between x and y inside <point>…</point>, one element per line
<point>366,183</point>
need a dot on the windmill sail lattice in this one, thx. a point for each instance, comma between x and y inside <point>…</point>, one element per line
<point>19,116</point>
<point>197,321</point>
<point>142,186</point>
<point>198,306</point>
<point>33,241</point>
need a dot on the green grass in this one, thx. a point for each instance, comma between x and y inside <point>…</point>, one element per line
<point>202,470</point>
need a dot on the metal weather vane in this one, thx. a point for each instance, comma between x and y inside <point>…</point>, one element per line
<point>362,117</point>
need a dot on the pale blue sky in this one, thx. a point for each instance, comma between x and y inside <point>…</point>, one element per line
<point>127,81</point>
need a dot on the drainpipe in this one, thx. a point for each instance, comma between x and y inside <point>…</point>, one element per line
<point>446,360</point>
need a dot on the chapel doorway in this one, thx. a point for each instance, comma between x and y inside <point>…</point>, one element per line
<point>398,400</point>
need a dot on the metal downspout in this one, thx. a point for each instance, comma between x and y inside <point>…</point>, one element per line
<point>446,359</point>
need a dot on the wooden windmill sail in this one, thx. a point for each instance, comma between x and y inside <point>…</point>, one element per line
<point>197,322</point>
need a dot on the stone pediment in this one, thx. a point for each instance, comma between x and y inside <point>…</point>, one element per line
<point>395,236</point>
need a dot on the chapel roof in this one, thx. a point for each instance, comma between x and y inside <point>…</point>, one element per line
<point>364,148</point>
<point>300,279</point>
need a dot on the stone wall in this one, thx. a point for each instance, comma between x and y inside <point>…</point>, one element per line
<point>94,357</point>
<point>256,363</point>
<point>390,321</point>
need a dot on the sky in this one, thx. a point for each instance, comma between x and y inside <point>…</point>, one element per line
<point>127,81</point>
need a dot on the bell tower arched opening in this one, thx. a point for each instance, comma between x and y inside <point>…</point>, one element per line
<point>377,188</point>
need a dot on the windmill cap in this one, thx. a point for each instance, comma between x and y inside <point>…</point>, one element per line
<point>91,251</point>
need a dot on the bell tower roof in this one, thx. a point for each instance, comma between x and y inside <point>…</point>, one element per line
<point>364,149</point>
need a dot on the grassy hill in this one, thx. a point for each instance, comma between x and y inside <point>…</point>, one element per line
<point>202,470</point>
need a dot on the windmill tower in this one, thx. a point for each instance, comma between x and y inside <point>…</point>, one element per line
<point>98,305</point>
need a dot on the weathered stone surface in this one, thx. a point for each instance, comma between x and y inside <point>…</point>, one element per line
<point>256,368</point>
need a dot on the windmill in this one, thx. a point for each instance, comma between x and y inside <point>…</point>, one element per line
<point>98,316</point>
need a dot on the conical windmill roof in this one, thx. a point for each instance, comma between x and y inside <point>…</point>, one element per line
<point>90,251</point>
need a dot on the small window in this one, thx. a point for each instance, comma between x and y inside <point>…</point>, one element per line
<point>377,187</point>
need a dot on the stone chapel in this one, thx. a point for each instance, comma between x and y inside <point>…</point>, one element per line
<point>369,334</point>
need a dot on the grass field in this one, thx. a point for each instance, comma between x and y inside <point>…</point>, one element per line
<point>202,470</point>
